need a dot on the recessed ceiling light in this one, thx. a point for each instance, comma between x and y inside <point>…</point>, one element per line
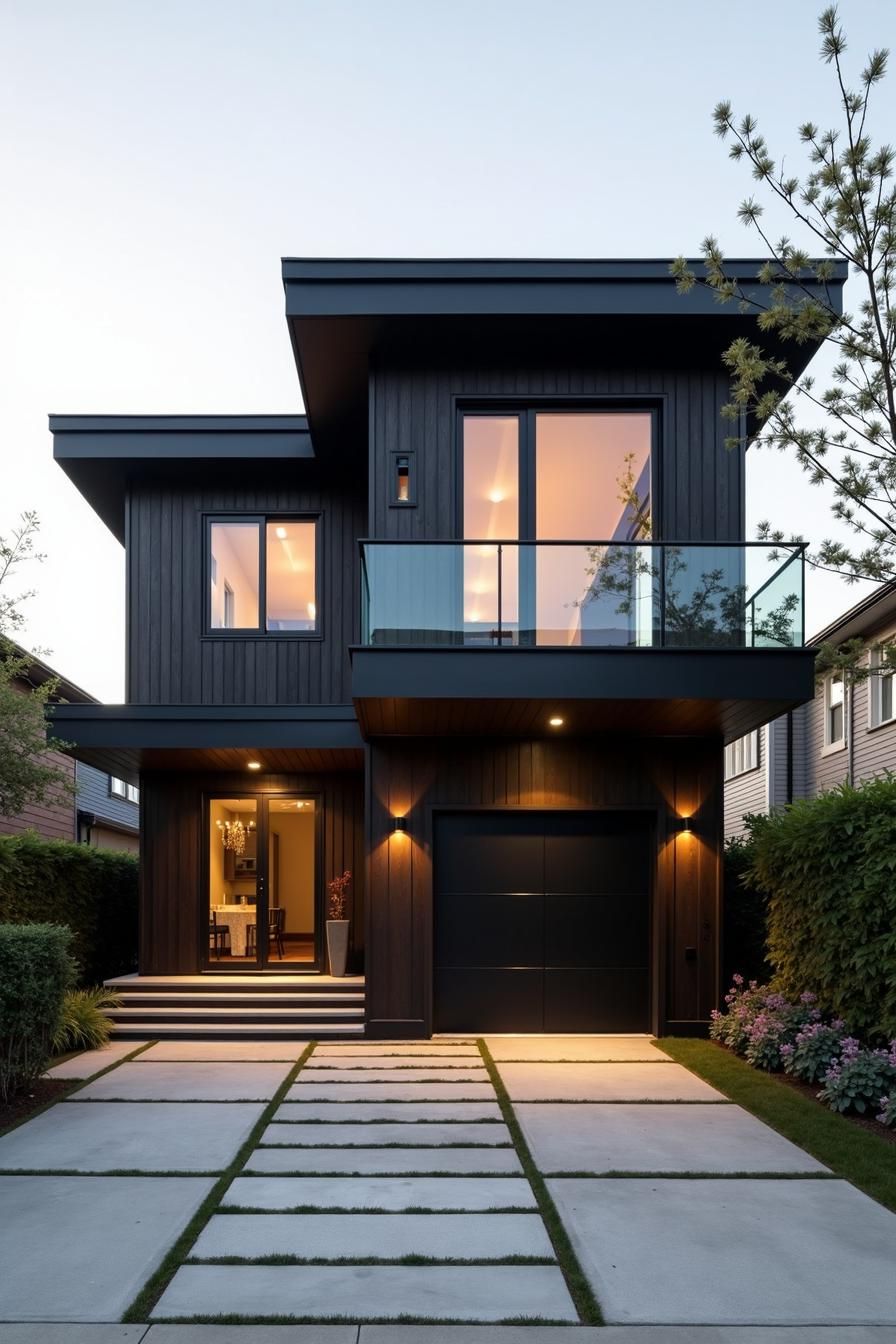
<point>556,721</point>
<point>496,497</point>
<point>281,533</point>
<point>254,765</point>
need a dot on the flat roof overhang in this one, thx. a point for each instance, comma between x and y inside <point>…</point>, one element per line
<point>344,314</point>
<point>127,739</point>
<point>100,454</point>
<point>635,692</point>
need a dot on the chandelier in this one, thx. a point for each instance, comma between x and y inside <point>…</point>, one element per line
<point>233,835</point>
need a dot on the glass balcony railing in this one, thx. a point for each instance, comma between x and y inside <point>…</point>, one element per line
<point>582,594</point>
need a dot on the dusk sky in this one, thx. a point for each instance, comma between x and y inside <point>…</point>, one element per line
<point>157,160</point>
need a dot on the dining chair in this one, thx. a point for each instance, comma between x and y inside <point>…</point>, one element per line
<point>218,935</point>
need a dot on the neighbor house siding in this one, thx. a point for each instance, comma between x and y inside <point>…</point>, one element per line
<point>171,661</point>
<point>412,410</point>
<point>747,792</point>
<point>53,819</point>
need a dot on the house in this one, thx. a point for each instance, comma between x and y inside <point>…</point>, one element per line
<point>95,809</point>
<point>845,733</point>
<point>474,628</point>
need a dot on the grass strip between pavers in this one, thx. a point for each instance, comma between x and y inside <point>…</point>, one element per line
<point>579,1288</point>
<point>140,1309</point>
<point>858,1156</point>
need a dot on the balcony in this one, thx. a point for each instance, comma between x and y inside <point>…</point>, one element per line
<point>647,637</point>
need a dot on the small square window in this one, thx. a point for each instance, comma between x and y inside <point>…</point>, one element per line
<point>117,787</point>
<point>742,755</point>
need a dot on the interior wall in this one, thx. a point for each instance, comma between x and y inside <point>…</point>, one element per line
<point>296,868</point>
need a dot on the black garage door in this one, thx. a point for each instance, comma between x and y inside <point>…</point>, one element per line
<point>542,922</point>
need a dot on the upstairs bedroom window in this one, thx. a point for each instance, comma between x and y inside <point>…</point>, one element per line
<point>263,575</point>
<point>834,718</point>
<point>742,756</point>
<point>881,700</point>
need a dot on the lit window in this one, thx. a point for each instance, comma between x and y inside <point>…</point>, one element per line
<point>834,722</point>
<point>283,588</point>
<point>117,787</point>
<point>743,755</point>
<point>234,576</point>
<point>881,692</point>
<point>291,598</point>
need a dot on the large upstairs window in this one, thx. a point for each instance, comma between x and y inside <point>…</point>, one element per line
<point>263,575</point>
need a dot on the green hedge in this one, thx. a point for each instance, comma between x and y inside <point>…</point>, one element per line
<point>92,891</point>
<point>745,926</point>
<point>35,972</point>
<point>829,867</point>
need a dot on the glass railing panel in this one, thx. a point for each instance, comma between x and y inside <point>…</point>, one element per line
<point>775,598</point>
<point>596,595</point>
<point>415,594</point>
<point>704,597</point>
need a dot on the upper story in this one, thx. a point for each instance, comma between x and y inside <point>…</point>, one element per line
<point>496,455</point>
<point>846,733</point>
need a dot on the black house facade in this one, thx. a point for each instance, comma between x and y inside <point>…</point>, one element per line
<point>475,629</point>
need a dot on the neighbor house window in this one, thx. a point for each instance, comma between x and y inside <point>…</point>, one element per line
<point>742,755</point>
<point>119,789</point>
<point>263,575</point>
<point>834,721</point>
<point>881,693</point>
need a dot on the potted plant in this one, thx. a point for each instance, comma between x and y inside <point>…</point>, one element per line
<point>337,923</point>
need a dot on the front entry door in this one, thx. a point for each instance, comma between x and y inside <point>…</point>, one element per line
<point>262,895</point>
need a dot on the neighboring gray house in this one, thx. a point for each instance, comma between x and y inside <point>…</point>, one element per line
<point>108,810</point>
<point>839,735</point>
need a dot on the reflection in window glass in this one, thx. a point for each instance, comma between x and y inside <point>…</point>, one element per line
<point>491,509</point>
<point>291,596</point>
<point>234,576</point>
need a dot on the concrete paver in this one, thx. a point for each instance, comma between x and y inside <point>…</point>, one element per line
<point>401,1112</point>
<point>222,1051</point>
<point>89,1062</point>
<point>395,1049</point>
<point>254,1334</point>
<point>116,1136</point>
<point>390,1193</point>
<point>477,1292</point>
<point>598,1138</point>
<point>558,1048</point>
<point>369,1136</point>
<point>605,1082</point>
<point>79,1248</point>
<point>185,1082</point>
<point>396,1073</point>
<point>385,1161</point>
<point>406,1066</point>
<point>625,1334</point>
<point>314,1090</point>
<point>48,1332</point>
<point>454,1236</point>
<point>754,1252</point>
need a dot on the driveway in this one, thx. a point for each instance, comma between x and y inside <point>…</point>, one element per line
<point>452,1180</point>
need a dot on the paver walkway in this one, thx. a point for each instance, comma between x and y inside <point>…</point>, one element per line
<point>387,1180</point>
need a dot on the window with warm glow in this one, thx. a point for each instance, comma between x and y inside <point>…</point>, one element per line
<point>491,470</point>
<point>279,596</point>
<point>234,576</point>
<point>290,591</point>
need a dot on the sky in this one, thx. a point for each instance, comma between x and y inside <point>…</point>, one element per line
<point>159,157</point>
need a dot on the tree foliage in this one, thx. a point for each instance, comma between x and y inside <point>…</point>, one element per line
<point>843,207</point>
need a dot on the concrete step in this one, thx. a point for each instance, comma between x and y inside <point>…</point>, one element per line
<point>150,999</point>
<point>308,1031</point>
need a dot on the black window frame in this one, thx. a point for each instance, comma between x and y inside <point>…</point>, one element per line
<point>262,520</point>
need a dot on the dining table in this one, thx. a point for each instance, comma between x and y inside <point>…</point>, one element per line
<point>237,918</point>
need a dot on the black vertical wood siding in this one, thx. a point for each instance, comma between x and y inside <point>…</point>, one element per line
<point>701,483</point>
<point>171,661</point>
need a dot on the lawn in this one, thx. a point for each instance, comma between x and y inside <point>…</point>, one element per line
<point>866,1160</point>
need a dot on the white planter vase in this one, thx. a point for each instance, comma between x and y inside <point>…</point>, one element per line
<point>337,945</point>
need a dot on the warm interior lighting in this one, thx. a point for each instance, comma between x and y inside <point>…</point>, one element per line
<point>556,721</point>
<point>403,480</point>
<point>496,497</point>
<point>312,611</point>
<point>281,533</point>
<point>399,825</point>
<point>686,825</point>
<point>254,765</point>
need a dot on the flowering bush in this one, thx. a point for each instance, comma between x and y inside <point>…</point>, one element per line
<point>859,1079</point>
<point>733,1027</point>
<point>887,1115</point>
<point>759,1023</point>
<point>816,1047</point>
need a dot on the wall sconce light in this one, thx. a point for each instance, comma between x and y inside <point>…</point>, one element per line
<point>254,765</point>
<point>403,479</point>
<point>399,825</point>
<point>686,825</point>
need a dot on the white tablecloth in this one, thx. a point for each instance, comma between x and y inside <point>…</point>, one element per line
<point>237,918</point>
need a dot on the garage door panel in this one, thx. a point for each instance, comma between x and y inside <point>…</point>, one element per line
<point>609,861</point>
<point>490,853</point>
<point>493,1000</point>
<point>595,930</point>
<point>576,1000</point>
<point>486,930</point>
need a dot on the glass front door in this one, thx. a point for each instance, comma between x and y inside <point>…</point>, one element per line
<point>262,888</point>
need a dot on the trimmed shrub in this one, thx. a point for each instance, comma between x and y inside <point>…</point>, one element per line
<point>82,1023</point>
<point>816,1047</point>
<point>92,891</point>
<point>829,867</point>
<point>35,972</point>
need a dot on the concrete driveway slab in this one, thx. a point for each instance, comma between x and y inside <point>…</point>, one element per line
<point>358,1049</point>
<point>402,1112</point>
<point>709,1252</point>
<point>404,1065</point>
<point>386,1161</point>
<point>314,1090</point>
<point>254,1334</point>
<point>79,1248</point>
<point>113,1135</point>
<point>595,1138</point>
<point>390,1193</point>
<point>557,1048</point>
<point>89,1062</point>
<point>211,1051</point>
<point>624,1334</point>
<point>454,1236</point>
<point>370,1136</point>
<point>605,1082</point>
<point>46,1333</point>
<point>185,1082</point>
<point>394,1073</point>
<point>477,1292</point>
